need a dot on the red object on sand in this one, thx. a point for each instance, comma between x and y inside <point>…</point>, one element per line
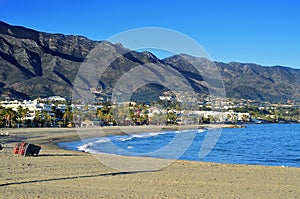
<point>16,149</point>
<point>26,149</point>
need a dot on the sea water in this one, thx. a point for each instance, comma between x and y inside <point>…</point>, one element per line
<point>263,144</point>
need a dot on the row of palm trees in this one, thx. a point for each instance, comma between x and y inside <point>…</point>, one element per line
<point>107,114</point>
<point>132,115</point>
<point>123,115</point>
<point>7,117</point>
<point>10,118</point>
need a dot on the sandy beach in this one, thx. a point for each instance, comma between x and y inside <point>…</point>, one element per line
<point>58,173</point>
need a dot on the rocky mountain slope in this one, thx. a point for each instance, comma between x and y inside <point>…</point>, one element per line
<point>252,81</point>
<point>36,64</point>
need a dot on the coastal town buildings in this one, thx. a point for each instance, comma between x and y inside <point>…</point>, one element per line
<point>169,109</point>
<point>33,107</point>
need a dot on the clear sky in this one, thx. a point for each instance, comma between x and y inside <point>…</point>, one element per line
<point>266,32</point>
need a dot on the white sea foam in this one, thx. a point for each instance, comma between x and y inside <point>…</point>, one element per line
<point>154,134</point>
<point>144,135</point>
<point>86,147</point>
<point>103,140</point>
<point>125,139</point>
<point>201,130</point>
<point>185,131</point>
<point>140,135</point>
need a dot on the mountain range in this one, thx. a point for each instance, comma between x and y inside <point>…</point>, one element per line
<point>37,64</point>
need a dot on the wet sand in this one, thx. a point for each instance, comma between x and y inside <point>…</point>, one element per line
<point>58,173</point>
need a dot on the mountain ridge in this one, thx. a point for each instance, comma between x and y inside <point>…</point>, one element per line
<point>38,64</point>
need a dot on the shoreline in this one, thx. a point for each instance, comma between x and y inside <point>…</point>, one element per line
<point>88,132</point>
<point>64,173</point>
<point>68,134</point>
<point>73,146</point>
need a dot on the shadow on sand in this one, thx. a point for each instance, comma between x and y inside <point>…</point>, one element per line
<point>58,155</point>
<point>75,177</point>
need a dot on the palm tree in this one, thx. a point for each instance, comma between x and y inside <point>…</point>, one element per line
<point>68,116</point>
<point>37,118</point>
<point>42,118</point>
<point>121,113</point>
<point>22,112</point>
<point>46,118</point>
<point>171,117</point>
<point>10,117</point>
<point>78,116</point>
<point>106,114</point>
<point>1,116</point>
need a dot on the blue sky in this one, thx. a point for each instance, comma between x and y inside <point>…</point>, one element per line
<point>264,32</point>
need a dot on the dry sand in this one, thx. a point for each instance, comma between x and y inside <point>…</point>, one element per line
<point>57,173</point>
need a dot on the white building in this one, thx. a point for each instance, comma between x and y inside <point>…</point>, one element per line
<point>56,98</point>
<point>32,106</point>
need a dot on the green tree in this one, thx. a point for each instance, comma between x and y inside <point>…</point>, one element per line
<point>42,118</point>
<point>22,113</point>
<point>46,118</point>
<point>171,117</point>
<point>2,122</point>
<point>37,118</point>
<point>9,116</point>
<point>106,114</point>
<point>68,116</point>
<point>78,116</point>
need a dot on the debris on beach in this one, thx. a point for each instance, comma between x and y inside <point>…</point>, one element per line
<point>26,149</point>
<point>4,134</point>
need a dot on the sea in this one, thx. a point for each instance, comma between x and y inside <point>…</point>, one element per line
<point>257,144</point>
